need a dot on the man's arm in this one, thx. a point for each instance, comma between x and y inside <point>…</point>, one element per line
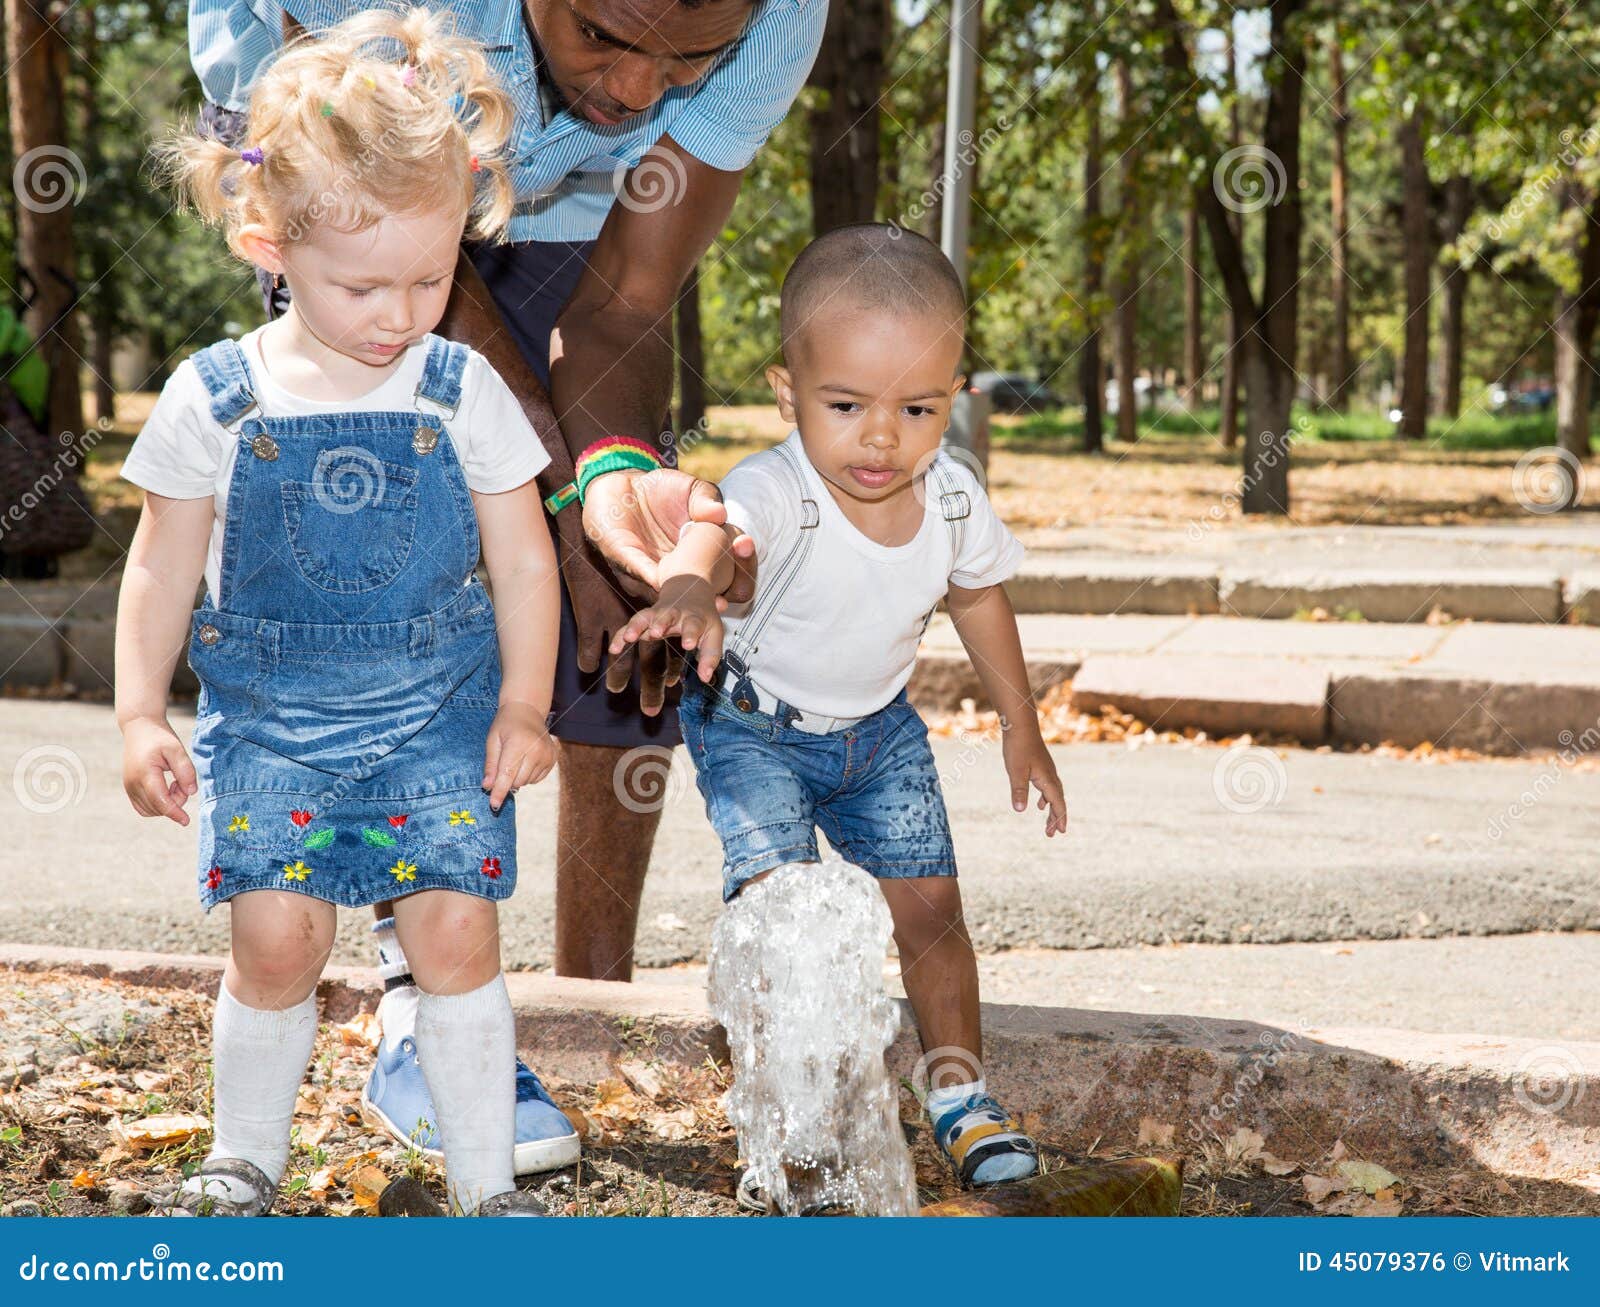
<point>611,361</point>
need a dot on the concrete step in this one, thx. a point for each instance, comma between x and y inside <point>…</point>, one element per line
<point>1400,1098</point>
<point>1502,688</point>
<point>1061,581</point>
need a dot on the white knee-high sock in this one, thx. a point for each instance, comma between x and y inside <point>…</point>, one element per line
<point>467,1046</point>
<point>258,1060</point>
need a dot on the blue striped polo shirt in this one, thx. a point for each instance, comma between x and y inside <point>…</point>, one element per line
<point>567,171</point>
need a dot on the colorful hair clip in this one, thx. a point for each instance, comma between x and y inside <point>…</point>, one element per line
<point>327,109</point>
<point>252,155</point>
<point>409,76</point>
<point>474,164</point>
<point>372,82</point>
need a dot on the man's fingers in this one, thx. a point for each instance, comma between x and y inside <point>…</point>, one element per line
<point>619,671</point>
<point>652,676</point>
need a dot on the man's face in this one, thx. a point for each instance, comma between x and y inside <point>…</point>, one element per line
<point>612,59</point>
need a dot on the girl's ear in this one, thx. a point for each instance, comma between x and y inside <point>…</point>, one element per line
<point>255,243</point>
<point>960,385</point>
<point>783,388</point>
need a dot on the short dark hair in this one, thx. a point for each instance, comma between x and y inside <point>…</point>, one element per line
<point>870,265</point>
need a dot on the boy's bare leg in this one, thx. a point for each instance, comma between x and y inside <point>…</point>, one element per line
<point>940,973</point>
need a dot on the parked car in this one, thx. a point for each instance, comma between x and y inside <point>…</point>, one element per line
<point>1014,392</point>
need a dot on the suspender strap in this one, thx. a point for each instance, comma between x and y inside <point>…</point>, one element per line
<point>227,378</point>
<point>747,640</point>
<point>441,375</point>
<point>954,502</point>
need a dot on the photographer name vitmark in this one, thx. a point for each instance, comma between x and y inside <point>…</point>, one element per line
<point>158,1267</point>
<point>1404,1261</point>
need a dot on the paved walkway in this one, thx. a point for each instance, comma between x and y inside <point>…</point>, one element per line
<point>1167,843</point>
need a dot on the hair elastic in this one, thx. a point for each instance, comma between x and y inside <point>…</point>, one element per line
<point>252,156</point>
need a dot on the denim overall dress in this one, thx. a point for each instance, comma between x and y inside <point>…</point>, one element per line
<point>348,667</point>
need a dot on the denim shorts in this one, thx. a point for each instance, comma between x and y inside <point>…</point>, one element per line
<point>872,788</point>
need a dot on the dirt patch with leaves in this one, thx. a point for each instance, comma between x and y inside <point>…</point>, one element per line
<point>105,1099</point>
<point>1061,722</point>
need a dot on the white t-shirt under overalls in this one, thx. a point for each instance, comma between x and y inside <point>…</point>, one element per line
<point>836,631</point>
<point>183,453</point>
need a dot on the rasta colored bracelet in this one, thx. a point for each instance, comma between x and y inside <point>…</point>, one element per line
<point>613,454</point>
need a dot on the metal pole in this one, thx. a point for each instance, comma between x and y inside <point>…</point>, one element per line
<point>959,98</point>
<point>969,415</point>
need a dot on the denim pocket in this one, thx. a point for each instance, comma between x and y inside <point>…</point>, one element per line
<point>352,528</point>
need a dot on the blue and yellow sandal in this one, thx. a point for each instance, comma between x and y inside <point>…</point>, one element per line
<point>983,1143</point>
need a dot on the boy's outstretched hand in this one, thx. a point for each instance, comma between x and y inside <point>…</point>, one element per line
<point>518,752</point>
<point>687,609</point>
<point>1029,761</point>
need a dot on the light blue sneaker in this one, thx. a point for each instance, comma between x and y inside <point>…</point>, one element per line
<point>396,1101</point>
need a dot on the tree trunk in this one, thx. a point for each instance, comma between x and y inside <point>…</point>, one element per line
<point>1417,255</point>
<point>1194,364</point>
<point>1339,393</point>
<point>1091,372</point>
<point>691,357</point>
<point>1228,419</point>
<point>47,183</point>
<point>1453,297</point>
<point>1126,342</point>
<point>1268,398</point>
<point>102,295</point>
<point>1573,329</point>
<point>845,121</point>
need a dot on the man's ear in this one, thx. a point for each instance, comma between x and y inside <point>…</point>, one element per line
<point>783,388</point>
<point>255,242</point>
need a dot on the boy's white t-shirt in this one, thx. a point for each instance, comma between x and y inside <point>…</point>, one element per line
<point>844,639</point>
<point>182,452</point>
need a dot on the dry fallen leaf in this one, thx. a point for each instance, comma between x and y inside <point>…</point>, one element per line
<point>643,1077</point>
<point>153,1132</point>
<point>1318,1187</point>
<point>1276,1165</point>
<point>366,1185</point>
<point>361,1031</point>
<point>85,1180</point>
<point>1157,1133</point>
<point>152,1082</point>
<point>673,1125</point>
<point>1368,1176</point>
<point>1247,1143</point>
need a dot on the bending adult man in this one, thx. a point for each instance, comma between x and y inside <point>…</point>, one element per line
<point>636,119</point>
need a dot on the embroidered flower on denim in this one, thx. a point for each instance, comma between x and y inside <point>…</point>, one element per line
<point>296,870</point>
<point>403,871</point>
<point>399,819</point>
<point>240,824</point>
<point>491,868</point>
<point>214,878</point>
<point>300,817</point>
<point>463,818</point>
